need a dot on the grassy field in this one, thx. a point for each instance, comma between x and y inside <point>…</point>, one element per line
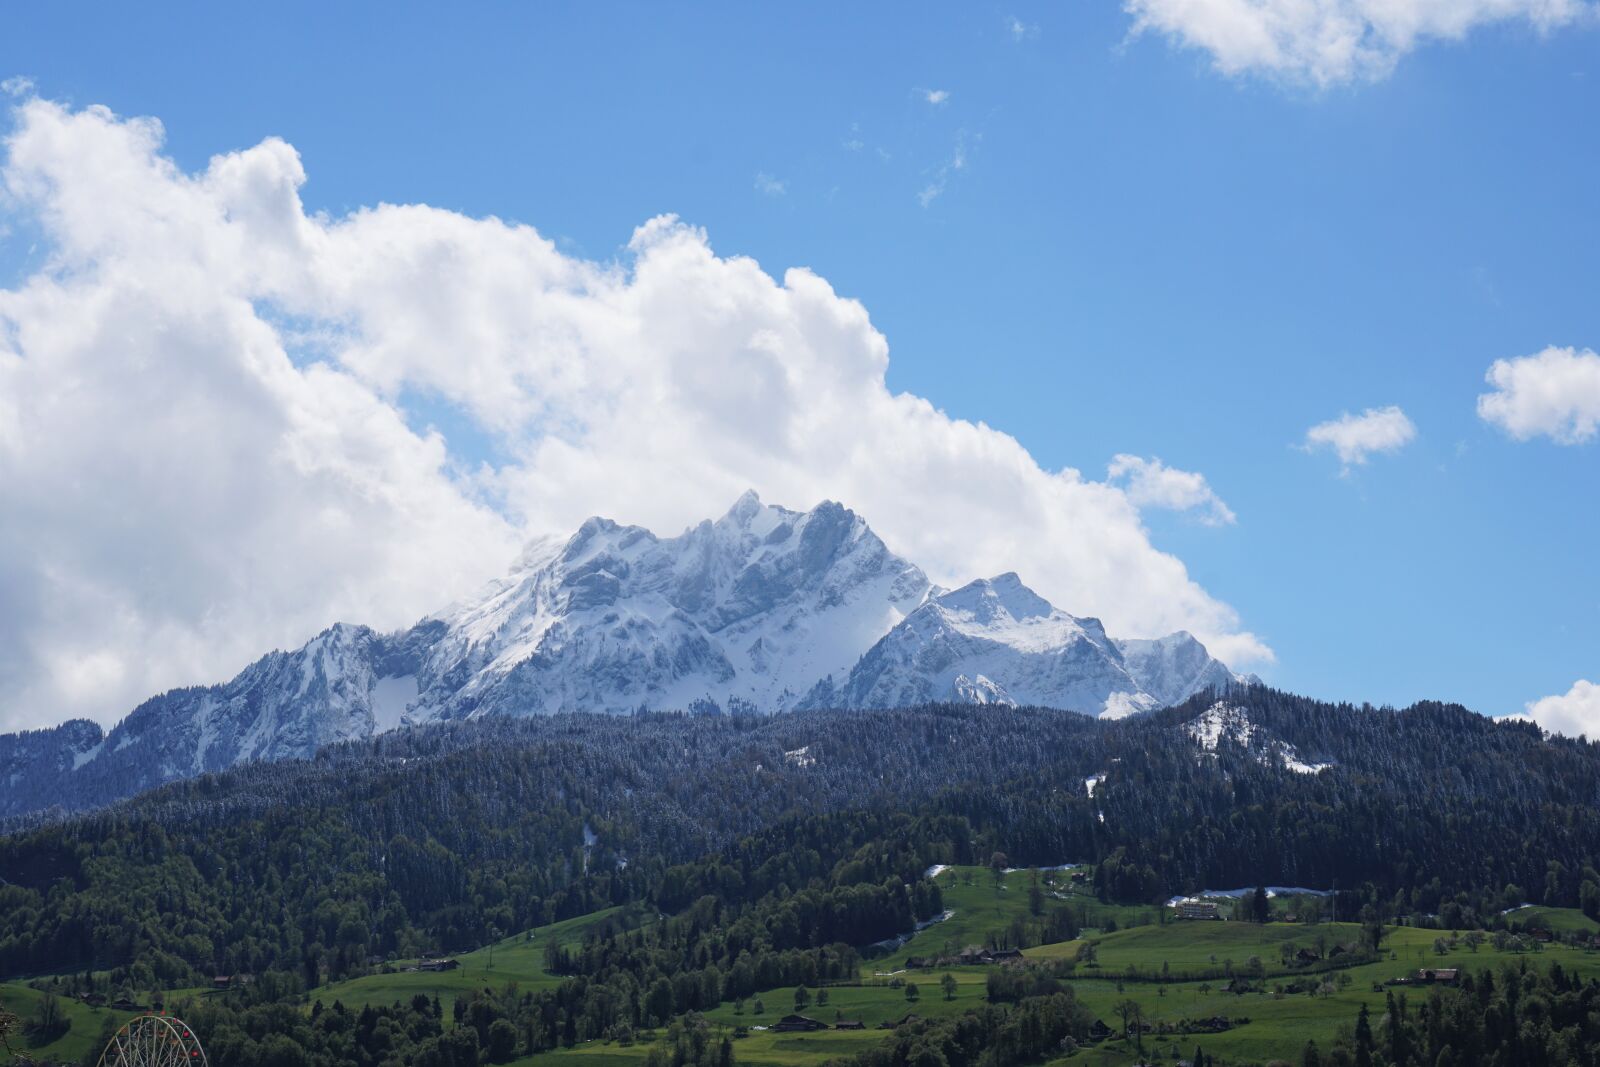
<point>1279,1022</point>
<point>87,1023</point>
<point>1130,961</point>
<point>1556,920</point>
<point>519,958</point>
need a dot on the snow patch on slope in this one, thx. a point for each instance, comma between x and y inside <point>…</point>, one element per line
<point>1222,721</point>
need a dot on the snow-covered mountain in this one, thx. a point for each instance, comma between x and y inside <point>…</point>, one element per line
<point>995,641</point>
<point>764,609</point>
<point>747,611</point>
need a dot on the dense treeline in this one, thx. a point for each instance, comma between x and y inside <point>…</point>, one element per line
<point>1519,1017</point>
<point>1033,1029</point>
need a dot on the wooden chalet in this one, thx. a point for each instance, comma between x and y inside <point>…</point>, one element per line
<point>791,1023</point>
<point>1437,976</point>
<point>445,964</point>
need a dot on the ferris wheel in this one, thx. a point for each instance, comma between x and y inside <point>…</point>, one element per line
<point>154,1041</point>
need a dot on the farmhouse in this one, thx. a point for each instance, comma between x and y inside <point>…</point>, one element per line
<point>1436,975</point>
<point>445,964</point>
<point>849,1024</point>
<point>791,1023</point>
<point>1197,909</point>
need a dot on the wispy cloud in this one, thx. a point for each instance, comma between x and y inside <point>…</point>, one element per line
<point>941,177</point>
<point>1149,483</point>
<point>1355,438</point>
<point>935,96</point>
<point>770,186</point>
<point>1019,30</point>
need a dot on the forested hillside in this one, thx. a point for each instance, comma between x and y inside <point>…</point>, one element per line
<point>446,837</point>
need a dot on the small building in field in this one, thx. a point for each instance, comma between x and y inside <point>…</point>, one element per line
<point>1437,976</point>
<point>1099,1031</point>
<point>1003,955</point>
<point>438,965</point>
<point>792,1023</point>
<point>849,1024</point>
<point>1197,909</point>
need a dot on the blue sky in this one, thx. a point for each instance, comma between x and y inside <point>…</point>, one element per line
<point>1095,241</point>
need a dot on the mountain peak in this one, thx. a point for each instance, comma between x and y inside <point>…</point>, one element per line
<point>1001,598</point>
<point>748,504</point>
<point>764,609</point>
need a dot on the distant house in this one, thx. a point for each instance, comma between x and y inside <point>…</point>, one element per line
<point>1099,1031</point>
<point>438,965</point>
<point>1305,955</point>
<point>849,1024</point>
<point>1197,909</point>
<point>222,981</point>
<point>1001,955</point>
<point>123,1003</point>
<point>918,963</point>
<point>1437,975</point>
<point>791,1023</point>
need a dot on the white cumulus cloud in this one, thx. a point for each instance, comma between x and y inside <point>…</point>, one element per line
<point>936,96</point>
<point>1573,713</point>
<point>1555,394</point>
<point>1151,483</point>
<point>214,420</point>
<point>1328,42</point>
<point>1354,438</point>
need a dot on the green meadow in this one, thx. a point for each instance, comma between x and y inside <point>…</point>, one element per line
<point>85,1033</point>
<point>519,959</point>
<point>1279,1022</point>
<point>1133,950</point>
